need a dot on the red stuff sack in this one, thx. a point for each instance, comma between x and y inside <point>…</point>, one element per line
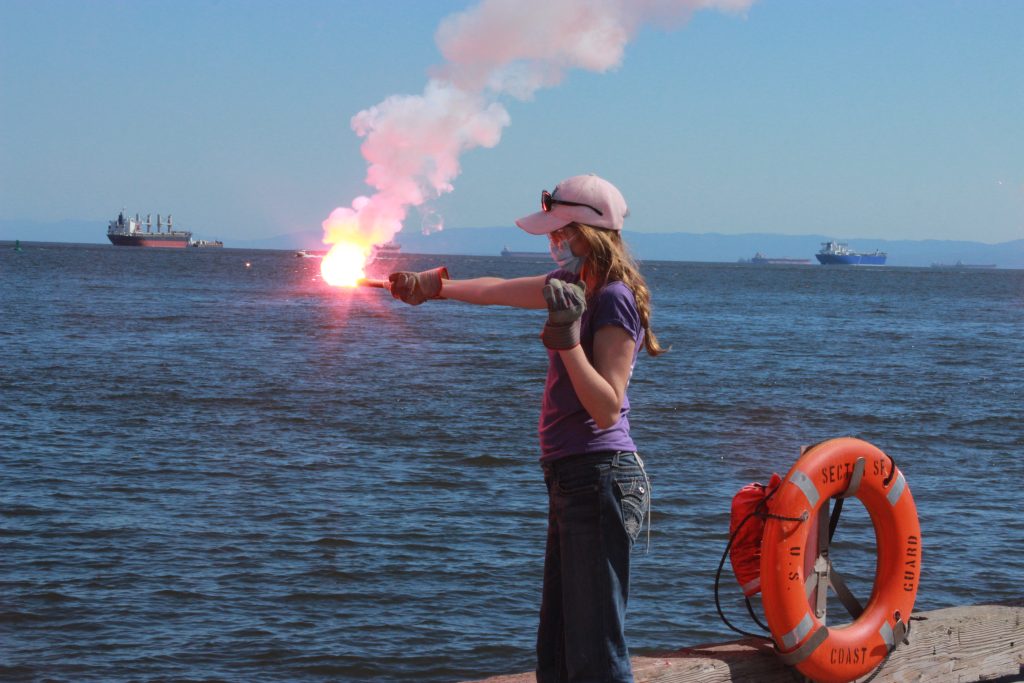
<point>745,553</point>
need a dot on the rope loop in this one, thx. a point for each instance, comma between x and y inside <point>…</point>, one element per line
<point>802,518</point>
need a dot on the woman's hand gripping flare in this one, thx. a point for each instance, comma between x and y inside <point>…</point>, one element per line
<point>415,288</point>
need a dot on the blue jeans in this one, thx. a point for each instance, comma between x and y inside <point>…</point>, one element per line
<point>596,508</point>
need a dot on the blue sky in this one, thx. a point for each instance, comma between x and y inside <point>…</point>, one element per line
<point>896,120</point>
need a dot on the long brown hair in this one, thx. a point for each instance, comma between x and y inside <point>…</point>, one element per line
<point>610,260</point>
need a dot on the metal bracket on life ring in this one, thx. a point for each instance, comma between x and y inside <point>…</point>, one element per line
<point>825,576</point>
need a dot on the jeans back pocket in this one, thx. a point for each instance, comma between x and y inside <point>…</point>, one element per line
<point>635,499</point>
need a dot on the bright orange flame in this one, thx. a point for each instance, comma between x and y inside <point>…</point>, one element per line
<point>343,265</point>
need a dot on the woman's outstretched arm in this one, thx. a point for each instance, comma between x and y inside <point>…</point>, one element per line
<point>523,292</point>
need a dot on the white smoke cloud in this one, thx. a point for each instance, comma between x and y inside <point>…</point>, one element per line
<point>496,49</point>
<point>515,47</point>
<point>413,143</point>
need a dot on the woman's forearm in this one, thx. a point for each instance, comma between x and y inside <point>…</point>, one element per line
<point>598,396</point>
<point>525,292</point>
<point>475,291</point>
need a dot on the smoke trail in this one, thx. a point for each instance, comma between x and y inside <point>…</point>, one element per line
<point>494,50</point>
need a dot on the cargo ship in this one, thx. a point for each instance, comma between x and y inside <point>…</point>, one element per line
<point>128,232</point>
<point>384,251</point>
<point>959,265</point>
<point>761,259</point>
<point>523,254</point>
<point>839,254</point>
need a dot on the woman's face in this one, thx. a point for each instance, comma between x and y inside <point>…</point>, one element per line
<point>569,234</point>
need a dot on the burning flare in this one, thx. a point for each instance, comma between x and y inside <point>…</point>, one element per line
<point>352,232</point>
<point>343,265</point>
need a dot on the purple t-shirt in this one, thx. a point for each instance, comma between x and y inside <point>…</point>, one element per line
<point>566,427</point>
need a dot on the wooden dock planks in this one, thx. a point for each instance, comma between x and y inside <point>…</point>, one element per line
<point>953,645</point>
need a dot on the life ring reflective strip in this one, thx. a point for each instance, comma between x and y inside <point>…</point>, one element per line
<point>789,552</point>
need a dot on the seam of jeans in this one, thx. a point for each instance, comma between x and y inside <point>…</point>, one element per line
<point>609,477</point>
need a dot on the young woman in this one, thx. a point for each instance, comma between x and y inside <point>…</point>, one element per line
<point>599,314</point>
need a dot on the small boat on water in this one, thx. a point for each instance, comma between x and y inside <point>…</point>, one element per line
<point>839,254</point>
<point>306,253</point>
<point>206,244</point>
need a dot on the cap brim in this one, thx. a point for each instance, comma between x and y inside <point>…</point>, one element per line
<point>543,222</point>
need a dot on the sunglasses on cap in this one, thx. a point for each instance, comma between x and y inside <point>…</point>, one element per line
<point>547,201</point>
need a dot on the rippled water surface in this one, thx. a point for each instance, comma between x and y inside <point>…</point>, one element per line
<point>218,471</point>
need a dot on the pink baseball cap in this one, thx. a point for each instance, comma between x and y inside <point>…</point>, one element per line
<point>585,199</point>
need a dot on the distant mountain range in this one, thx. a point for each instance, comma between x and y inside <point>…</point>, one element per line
<point>671,246</point>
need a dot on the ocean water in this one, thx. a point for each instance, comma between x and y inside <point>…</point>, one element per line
<point>215,467</point>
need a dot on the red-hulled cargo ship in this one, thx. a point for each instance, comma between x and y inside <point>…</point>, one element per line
<point>128,232</point>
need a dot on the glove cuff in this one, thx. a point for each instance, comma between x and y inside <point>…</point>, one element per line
<point>561,337</point>
<point>432,282</point>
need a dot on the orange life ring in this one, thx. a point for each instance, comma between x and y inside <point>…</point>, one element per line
<point>792,570</point>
